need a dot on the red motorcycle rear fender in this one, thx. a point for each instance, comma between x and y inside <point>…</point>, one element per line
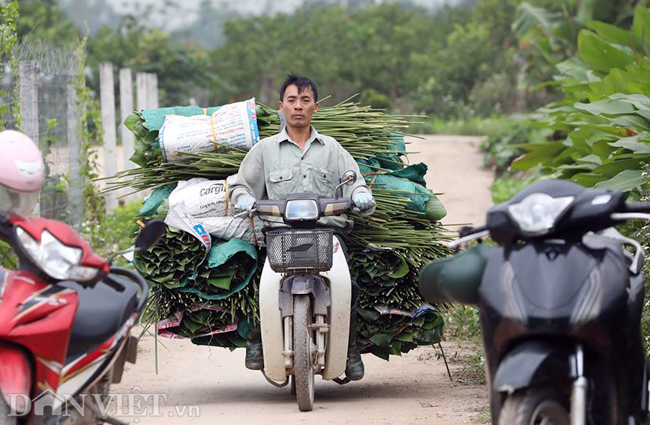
<point>15,377</point>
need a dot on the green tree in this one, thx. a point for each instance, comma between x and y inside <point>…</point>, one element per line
<point>182,69</point>
<point>44,19</point>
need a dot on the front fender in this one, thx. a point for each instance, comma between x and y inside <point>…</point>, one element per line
<point>531,363</point>
<point>15,378</point>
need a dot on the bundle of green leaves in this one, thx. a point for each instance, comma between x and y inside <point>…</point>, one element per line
<point>393,333</point>
<point>173,260</point>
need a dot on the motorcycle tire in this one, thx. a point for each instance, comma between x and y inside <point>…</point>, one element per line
<point>5,410</point>
<point>534,406</point>
<point>292,384</point>
<point>303,360</point>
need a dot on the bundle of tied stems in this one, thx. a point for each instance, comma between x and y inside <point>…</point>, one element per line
<point>391,232</point>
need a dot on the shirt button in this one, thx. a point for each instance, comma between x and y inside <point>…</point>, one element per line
<point>305,175</point>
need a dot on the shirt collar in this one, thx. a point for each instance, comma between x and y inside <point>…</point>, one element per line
<point>284,136</point>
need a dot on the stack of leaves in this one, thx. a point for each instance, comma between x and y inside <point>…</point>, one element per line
<point>388,298</point>
<point>384,332</point>
<point>172,261</point>
<point>229,269</point>
<point>384,278</point>
<point>201,322</point>
<point>240,308</point>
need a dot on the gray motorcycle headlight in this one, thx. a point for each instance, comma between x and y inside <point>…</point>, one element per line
<point>301,209</point>
<point>537,213</point>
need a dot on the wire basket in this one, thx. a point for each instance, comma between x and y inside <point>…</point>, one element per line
<point>289,250</point>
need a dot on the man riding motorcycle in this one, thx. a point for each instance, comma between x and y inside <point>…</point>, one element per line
<point>299,160</point>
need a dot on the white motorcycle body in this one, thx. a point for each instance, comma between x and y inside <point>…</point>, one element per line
<point>333,327</point>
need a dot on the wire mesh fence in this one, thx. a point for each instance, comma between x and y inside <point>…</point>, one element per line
<point>40,99</point>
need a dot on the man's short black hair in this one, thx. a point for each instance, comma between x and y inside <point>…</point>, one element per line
<point>300,82</point>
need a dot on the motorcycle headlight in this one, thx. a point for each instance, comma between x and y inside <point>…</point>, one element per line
<point>537,213</point>
<point>57,260</point>
<point>301,209</point>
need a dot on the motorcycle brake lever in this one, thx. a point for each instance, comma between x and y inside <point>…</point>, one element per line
<point>247,213</point>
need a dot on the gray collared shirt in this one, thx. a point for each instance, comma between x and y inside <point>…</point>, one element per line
<point>276,167</point>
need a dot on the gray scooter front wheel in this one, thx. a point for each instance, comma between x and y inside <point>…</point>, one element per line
<point>303,347</point>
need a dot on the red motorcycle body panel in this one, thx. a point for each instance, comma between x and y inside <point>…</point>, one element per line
<point>38,317</point>
<point>15,376</point>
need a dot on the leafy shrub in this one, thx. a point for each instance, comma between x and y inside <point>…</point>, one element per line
<point>603,123</point>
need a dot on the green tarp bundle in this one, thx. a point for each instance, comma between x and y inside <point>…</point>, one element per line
<point>408,183</point>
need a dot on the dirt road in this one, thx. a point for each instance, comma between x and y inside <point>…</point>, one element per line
<point>412,389</point>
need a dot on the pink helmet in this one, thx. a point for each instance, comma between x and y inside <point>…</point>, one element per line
<point>21,172</point>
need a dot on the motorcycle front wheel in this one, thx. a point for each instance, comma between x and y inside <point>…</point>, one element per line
<point>534,406</point>
<point>303,348</point>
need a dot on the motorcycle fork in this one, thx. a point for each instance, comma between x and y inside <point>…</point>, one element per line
<point>321,330</point>
<point>579,391</point>
<point>288,342</point>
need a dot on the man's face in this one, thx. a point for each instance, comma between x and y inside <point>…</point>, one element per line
<point>298,107</point>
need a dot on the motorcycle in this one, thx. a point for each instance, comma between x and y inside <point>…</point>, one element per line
<point>66,318</point>
<point>305,294</point>
<point>560,303</point>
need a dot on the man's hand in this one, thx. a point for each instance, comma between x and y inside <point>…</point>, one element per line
<point>245,203</point>
<point>363,200</point>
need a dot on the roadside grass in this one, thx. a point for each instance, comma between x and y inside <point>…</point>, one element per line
<point>463,329</point>
<point>467,362</point>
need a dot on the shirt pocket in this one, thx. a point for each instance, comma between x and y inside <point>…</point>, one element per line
<point>281,184</point>
<point>324,182</point>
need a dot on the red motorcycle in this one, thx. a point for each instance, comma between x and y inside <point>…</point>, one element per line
<point>65,314</point>
<point>65,322</point>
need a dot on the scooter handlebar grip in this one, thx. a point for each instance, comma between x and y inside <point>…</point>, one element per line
<point>640,208</point>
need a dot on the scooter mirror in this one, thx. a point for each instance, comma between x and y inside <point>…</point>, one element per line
<point>150,235</point>
<point>350,177</point>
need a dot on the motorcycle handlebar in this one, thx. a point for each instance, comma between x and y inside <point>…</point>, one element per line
<point>641,208</point>
<point>467,231</point>
<point>135,277</point>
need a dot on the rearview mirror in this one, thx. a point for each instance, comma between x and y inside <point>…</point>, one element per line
<point>150,235</point>
<point>349,178</point>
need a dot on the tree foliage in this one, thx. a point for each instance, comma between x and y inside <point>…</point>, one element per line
<point>603,121</point>
<point>456,62</point>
